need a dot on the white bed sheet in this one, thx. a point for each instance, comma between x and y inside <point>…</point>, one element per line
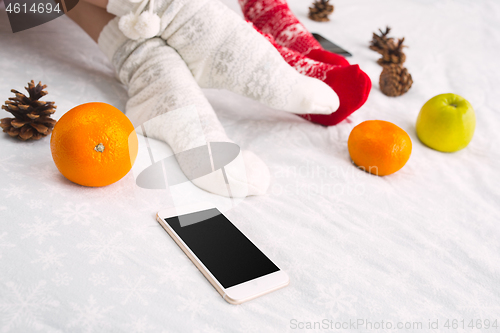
<point>419,245</point>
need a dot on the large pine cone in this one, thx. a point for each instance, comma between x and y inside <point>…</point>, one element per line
<point>32,117</point>
<point>395,80</point>
<point>320,10</point>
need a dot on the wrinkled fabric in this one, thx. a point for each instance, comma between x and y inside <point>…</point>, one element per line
<point>418,245</point>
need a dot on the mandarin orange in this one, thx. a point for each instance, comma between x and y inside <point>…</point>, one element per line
<point>379,147</point>
<point>94,144</point>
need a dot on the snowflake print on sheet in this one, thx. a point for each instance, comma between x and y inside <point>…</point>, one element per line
<point>106,247</point>
<point>142,231</point>
<point>35,204</point>
<point>134,290</point>
<point>49,258</point>
<point>4,243</point>
<point>193,304</point>
<point>26,155</point>
<point>46,172</point>
<point>98,279</point>
<point>176,274</point>
<point>81,213</point>
<point>39,230</point>
<point>6,164</point>
<point>16,176</point>
<point>89,317</point>
<point>333,299</point>
<point>478,306</point>
<point>16,191</point>
<point>22,307</point>
<point>139,325</point>
<point>63,190</point>
<point>213,329</point>
<point>62,279</point>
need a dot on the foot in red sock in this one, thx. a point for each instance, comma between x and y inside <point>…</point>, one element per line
<point>275,18</point>
<point>351,84</point>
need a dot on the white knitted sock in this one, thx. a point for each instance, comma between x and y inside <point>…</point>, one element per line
<point>222,51</point>
<point>166,100</point>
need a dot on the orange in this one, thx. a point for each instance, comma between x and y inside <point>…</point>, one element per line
<point>379,147</point>
<point>94,144</point>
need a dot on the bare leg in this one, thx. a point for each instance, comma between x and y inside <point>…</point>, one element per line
<point>91,18</point>
<point>98,3</point>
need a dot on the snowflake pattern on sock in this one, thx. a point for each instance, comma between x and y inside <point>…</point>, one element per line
<point>275,18</point>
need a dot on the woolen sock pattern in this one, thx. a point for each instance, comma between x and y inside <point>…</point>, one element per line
<point>275,18</point>
<point>165,98</point>
<point>223,52</point>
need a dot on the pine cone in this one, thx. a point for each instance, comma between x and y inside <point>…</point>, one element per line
<point>32,117</point>
<point>395,80</point>
<point>320,10</point>
<point>393,54</point>
<point>379,43</point>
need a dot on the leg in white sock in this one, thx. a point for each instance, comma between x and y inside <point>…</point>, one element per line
<point>165,96</point>
<point>222,51</point>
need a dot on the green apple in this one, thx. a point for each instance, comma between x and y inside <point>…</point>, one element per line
<point>446,123</point>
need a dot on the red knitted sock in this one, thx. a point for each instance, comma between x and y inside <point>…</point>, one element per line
<point>275,18</point>
<point>351,84</point>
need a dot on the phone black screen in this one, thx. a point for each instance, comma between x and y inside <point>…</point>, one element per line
<point>228,254</point>
<point>330,46</point>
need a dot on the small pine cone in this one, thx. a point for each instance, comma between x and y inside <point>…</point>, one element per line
<point>320,10</point>
<point>395,80</point>
<point>31,117</point>
<point>381,42</point>
<point>393,54</point>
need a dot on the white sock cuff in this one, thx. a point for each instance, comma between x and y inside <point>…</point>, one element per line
<point>121,7</point>
<point>111,38</point>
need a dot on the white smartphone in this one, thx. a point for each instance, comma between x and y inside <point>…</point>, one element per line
<point>236,268</point>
